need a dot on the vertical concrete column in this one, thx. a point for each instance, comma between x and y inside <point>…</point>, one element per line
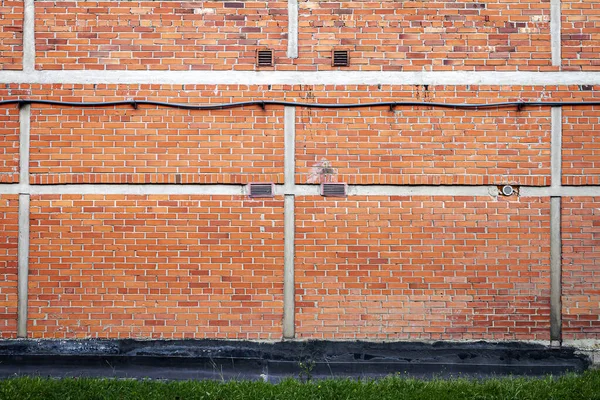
<point>555,235</point>
<point>555,272</point>
<point>292,50</point>
<point>23,265</point>
<point>555,28</point>
<point>289,222</point>
<point>23,244</point>
<point>28,36</point>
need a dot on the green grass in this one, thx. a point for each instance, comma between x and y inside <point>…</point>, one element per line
<point>584,386</point>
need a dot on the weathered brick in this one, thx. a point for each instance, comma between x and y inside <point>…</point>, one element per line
<point>9,232</point>
<point>169,35</point>
<point>580,267</point>
<point>9,139</point>
<point>11,35</point>
<point>164,267</point>
<point>432,268</point>
<point>426,36</point>
<point>580,34</point>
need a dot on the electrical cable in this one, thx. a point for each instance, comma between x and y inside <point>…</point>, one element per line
<point>391,104</point>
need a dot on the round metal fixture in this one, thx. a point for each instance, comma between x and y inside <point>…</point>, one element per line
<point>507,190</point>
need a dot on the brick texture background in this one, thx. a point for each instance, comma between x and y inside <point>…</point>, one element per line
<point>580,35</point>
<point>438,35</point>
<point>581,146</point>
<point>156,145</point>
<point>11,35</point>
<point>9,139</point>
<point>581,267</point>
<point>169,35</point>
<point>367,267</point>
<point>422,268</point>
<point>156,267</point>
<point>9,232</point>
<point>421,145</point>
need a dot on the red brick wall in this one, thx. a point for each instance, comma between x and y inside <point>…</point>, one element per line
<point>437,35</point>
<point>169,35</point>
<point>9,140</point>
<point>9,233</point>
<point>108,266</point>
<point>581,146</point>
<point>382,267</point>
<point>11,34</point>
<point>156,145</point>
<point>386,35</point>
<point>580,35</point>
<point>418,145</point>
<point>581,267</point>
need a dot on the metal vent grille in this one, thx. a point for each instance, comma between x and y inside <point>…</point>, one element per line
<point>261,190</point>
<point>334,189</point>
<point>264,58</point>
<point>341,58</point>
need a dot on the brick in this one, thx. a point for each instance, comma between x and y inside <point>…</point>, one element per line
<point>580,272</point>
<point>158,278</point>
<point>581,146</point>
<point>11,35</point>
<point>154,144</point>
<point>162,35</point>
<point>580,35</point>
<point>9,140</point>
<point>9,233</point>
<point>420,145</point>
<point>443,35</point>
<point>421,275</point>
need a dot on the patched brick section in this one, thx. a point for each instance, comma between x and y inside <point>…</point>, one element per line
<point>438,35</point>
<point>169,35</point>
<point>581,146</point>
<point>156,145</point>
<point>580,267</point>
<point>422,145</point>
<point>9,234</point>
<point>9,139</point>
<point>580,35</point>
<point>162,267</point>
<point>426,268</point>
<point>11,35</point>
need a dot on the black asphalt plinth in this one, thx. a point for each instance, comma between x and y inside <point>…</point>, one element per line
<point>225,360</point>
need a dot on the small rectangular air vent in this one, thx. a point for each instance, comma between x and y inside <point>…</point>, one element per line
<point>340,58</point>
<point>264,58</point>
<point>333,189</point>
<point>261,190</point>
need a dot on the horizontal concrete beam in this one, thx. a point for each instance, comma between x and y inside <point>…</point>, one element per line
<point>299,190</point>
<point>219,189</point>
<point>563,191</point>
<point>303,78</point>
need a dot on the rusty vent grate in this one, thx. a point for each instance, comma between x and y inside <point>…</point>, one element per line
<point>264,58</point>
<point>261,190</point>
<point>341,58</point>
<point>334,189</point>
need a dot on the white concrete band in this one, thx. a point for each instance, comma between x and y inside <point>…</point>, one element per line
<point>556,147</point>
<point>23,238</point>
<point>299,190</point>
<point>23,266</point>
<point>555,271</point>
<point>28,36</point>
<point>241,190</point>
<point>289,301</point>
<point>302,78</point>
<point>555,32</point>
<point>292,50</point>
<point>289,129</point>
